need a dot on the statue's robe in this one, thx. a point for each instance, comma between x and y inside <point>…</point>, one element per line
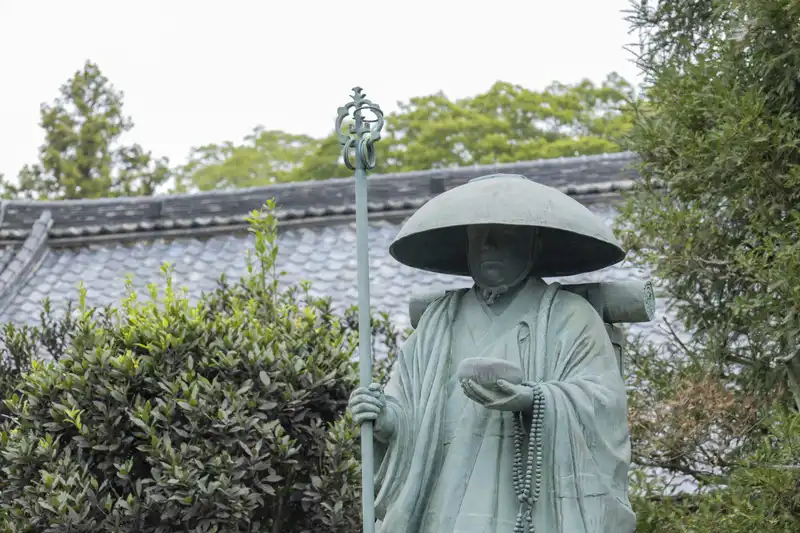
<point>448,465</point>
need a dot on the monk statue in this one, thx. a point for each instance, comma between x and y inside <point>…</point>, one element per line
<point>506,411</point>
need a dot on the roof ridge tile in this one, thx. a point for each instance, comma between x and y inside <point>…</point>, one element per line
<point>591,174</point>
<point>25,258</point>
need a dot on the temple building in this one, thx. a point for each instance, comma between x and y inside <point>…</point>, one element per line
<point>48,248</point>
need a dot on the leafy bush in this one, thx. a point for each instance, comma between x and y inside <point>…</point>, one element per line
<point>760,494</point>
<point>716,218</point>
<point>20,345</point>
<point>163,416</point>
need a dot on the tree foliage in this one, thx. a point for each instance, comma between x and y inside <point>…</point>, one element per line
<point>161,415</point>
<point>265,156</point>
<point>716,218</point>
<point>508,123</point>
<point>761,492</point>
<point>505,124</point>
<point>83,155</point>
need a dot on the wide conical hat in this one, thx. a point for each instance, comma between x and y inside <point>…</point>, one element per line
<point>573,240</point>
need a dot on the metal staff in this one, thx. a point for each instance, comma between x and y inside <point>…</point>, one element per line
<point>358,154</point>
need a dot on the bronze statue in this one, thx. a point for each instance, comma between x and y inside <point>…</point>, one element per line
<point>506,411</point>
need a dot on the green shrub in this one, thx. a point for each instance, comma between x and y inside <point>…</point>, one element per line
<point>163,416</point>
<point>716,220</point>
<point>761,492</point>
<point>19,345</point>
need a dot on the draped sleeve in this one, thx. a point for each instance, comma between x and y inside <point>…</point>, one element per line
<point>586,441</point>
<point>406,460</point>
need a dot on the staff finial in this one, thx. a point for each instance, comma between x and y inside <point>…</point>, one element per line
<point>362,133</point>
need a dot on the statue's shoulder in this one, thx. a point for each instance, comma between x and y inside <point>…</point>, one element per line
<point>567,305</point>
<point>422,302</point>
<point>448,296</point>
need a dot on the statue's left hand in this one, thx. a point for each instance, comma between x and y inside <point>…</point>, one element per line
<point>505,397</point>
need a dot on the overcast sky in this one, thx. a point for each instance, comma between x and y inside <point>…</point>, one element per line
<point>201,71</point>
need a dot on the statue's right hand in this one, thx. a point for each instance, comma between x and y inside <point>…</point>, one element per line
<point>367,404</point>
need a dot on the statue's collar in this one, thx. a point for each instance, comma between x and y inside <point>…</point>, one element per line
<point>503,300</point>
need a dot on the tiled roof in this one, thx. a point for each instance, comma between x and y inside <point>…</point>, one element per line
<point>100,242</point>
<point>389,193</point>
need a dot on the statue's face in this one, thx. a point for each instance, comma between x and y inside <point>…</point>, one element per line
<point>499,256</point>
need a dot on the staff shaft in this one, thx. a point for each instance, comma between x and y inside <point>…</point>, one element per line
<point>364,345</point>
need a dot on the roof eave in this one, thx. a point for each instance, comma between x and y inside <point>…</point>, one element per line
<point>215,225</point>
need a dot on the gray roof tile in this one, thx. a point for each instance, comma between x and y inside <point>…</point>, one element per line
<point>321,251</point>
<point>324,255</point>
<point>585,175</point>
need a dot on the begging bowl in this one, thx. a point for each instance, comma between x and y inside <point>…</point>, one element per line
<point>487,371</point>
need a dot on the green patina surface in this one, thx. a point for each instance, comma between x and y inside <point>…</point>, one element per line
<point>537,438</point>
